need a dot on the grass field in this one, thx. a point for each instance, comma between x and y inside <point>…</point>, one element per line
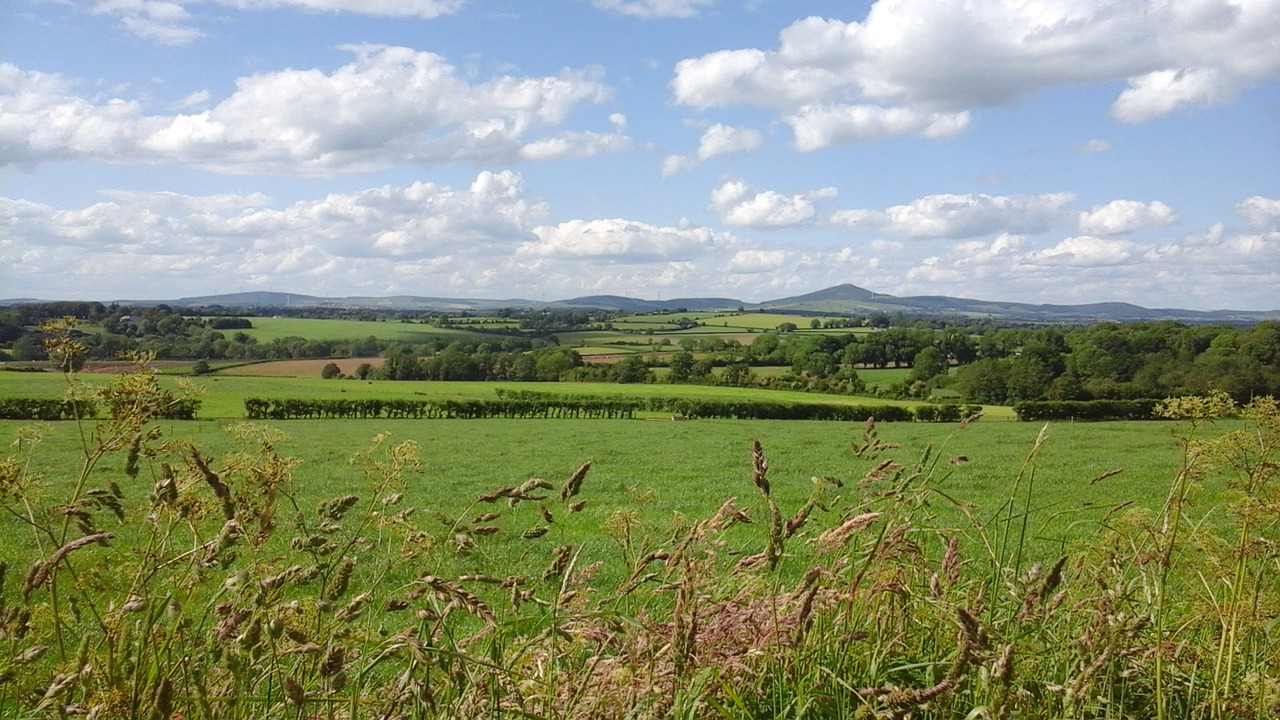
<point>215,569</point>
<point>266,329</point>
<point>665,468</point>
<point>224,394</point>
<point>727,321</point>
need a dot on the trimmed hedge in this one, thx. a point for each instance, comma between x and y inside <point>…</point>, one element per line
<point>527,405</point>
<point>1087,410</point>
<point>44,409</point>
<point>63,409</point>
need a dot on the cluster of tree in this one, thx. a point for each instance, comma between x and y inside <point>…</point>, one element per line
<point>1007,365</point>
<point>168,334</point>
<point>1125,361</point>
<point>538,362</point>
<point>155,329</point>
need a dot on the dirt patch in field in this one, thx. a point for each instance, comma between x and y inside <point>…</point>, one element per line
<point>301,368</point>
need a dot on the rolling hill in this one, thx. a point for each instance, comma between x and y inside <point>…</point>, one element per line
<point>838,300</point>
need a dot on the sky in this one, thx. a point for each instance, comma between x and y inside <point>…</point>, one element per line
<point>1040,151</point>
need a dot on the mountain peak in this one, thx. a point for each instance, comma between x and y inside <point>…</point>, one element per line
<point>846,291</point>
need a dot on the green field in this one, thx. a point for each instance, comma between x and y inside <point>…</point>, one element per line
<point>991,569</point>
<point>721,321</point>
<point>224,395</point>
<point>266,329</point>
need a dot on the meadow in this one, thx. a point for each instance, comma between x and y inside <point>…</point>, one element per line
<point>222,395</point>
<point>631,568</point>
<point>266,329</point>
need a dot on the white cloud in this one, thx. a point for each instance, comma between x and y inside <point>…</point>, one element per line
<point>716,140</point>
<point>654,8</point>
<point>740,206</point>
<point>390,104</point>
<point>757,261</point>
<point>1086,251</point>
<point>574,145</point>
<point>491,239</point>
<point>947,56</point>
<point>425,9</point>
<point>1124,216</point>
<point>820,126</point>
<point>1161,92</point>
<point>1094,146</point>
<point>171,238</point>
<point>963,216</point>
<point>168,22</point>
<point>623,241</point>
<point>1261,212</point>
<point>160,21</point>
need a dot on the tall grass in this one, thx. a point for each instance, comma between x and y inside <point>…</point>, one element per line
<point>193,586</point>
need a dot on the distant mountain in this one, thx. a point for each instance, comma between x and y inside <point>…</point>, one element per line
<point>839,293</point>
<point>243,299</point>
<point>626,304</point>
<point>393,302</point>
<point>839,300</point>
<point>850,299</point>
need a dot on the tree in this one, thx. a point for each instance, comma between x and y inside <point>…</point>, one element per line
<point>330,371</point>
<point>681,366</point>
<point>737,374</point>
<point>201,367</point>
<point>552,362</point>
<point>928,363</point>
<point>630,369</point>
<point>402,364</point>
<point>983,381</point>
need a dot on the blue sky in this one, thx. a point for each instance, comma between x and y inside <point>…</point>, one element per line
<point>1044,151</point>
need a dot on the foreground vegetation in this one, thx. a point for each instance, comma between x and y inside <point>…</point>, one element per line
<point>169,579</point>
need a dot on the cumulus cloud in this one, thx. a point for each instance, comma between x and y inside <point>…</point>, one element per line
<point>170,236</point>
<point>390,104</point>
<point>948,56</point>
<point>654,8</point>
<point>750,261</point>
<point>623,241</point>
<point>716,140</point>
<point>1124,216</point>
<point>1261,212</point>
<point>1087,251</point>
<point>962,216</point>
<point>740,206</point>
<point>168,22</point>
<point>161,21</point>
<point>1161,92</point>
<point>817,127</point>
<point>489,238</point>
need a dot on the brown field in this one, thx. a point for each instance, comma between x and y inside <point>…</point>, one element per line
<point>300,368</point>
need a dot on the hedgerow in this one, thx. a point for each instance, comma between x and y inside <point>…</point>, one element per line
<point>545,405</point>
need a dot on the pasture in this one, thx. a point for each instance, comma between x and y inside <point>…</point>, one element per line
<point>223,395</point>
<point>266,329</point>
<point>701,569</point>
